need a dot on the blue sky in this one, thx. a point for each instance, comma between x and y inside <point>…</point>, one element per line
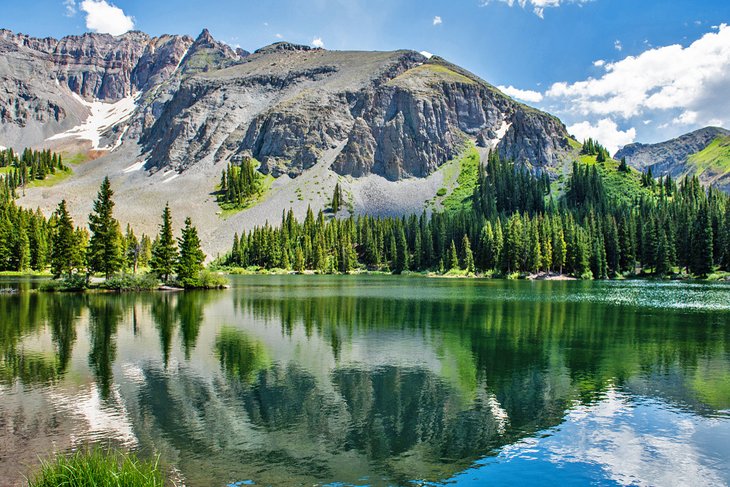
<point>621,70</point>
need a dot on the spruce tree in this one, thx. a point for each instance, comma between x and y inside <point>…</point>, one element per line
<point>702,243</point>
<point>299,260</point>
<point>468,255</point>
<point>191,256</point>
<point>164,251</point>
<point>453,263</point>
<point>64,249</point>
<point>105,244</point>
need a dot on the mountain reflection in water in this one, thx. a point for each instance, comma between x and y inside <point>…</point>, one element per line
<point>308,380</point>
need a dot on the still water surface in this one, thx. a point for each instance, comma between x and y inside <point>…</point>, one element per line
<point>310,380</point>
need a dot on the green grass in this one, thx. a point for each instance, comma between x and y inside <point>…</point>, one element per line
<point>51,179</point>
<point>99,469</point>
<point>230,209</point>
<point>432,72</point>
<point>468,165</point>
<point>618,185</point>
<point>78,158</point>
<point>715,158</point>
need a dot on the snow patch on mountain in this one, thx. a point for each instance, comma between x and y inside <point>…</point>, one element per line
<point>102,117</point>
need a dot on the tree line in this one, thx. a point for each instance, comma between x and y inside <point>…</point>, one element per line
<point>514,225</point>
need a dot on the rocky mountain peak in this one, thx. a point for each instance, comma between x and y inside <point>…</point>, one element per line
<point>282,46</point>
<point>205,37</point>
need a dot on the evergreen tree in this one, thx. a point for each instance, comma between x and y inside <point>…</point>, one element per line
<point>133,248</point>
<point>64,254</point>
<point>453,257</point>
<point>164,252</point>
<point>299,260</point>
<point>191,257</point>
<point>702,243</point>
<point>468,255</point>
<point>337,199</point>
<point>105,244</point>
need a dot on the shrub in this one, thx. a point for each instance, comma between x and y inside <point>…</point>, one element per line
<point>127,282</point>
<point>205,280</point>
<point>441,192</point>
<point>95,467</point>
<point>72,283</point>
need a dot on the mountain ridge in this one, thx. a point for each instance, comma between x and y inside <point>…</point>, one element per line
<point>683,155</point>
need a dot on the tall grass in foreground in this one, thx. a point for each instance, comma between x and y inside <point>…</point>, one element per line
<point>99,469</point>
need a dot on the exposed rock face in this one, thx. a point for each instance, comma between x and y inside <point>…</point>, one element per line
<point>398,115</point>
<point>395,114</point>
<point>672,156</point>
<point>691,153</point>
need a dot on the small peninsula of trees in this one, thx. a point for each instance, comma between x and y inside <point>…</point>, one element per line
<point>30,242</point>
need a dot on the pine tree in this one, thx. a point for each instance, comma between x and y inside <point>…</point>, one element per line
<point>702,243</point>
<point>468,255</point>
<point>64,254</point>
<point>133,248</point>
<point>299,260</point>
<point>164,252</point>
<point>453,262</point>
<point>401,252</point>
<point>105,245</point>
<point>191,257</point>
<point>336,199</point>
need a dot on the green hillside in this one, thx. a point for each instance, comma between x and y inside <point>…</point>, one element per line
<point>714,159</point>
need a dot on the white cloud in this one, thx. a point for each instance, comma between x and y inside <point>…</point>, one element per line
<point>618,46</point>
<point>599,63</point>
<point>106,18</point>
<point>525,95</point>
<point>538,6</point>
<point>427,54</point>
<point>685,85</point>
<point>606,132</point>
<point>317,42</point>
<point>278,36</point>
<point>437,20</point>
<point>70,7</point>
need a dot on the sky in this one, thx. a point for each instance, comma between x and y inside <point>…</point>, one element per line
<point>620,71</point>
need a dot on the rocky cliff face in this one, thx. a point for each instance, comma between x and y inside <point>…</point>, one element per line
<point>395,114</point>
<point>705,152</point>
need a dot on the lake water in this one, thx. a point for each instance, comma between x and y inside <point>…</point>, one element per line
<point>312,380</point>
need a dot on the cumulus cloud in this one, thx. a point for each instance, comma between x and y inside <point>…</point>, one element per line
<point>70,7</point>
<point>437,20</point>
<point>606,131</point>
<point>618,46</point>
<point>538,6</point>
<point>106,18</point>
<point>599,63</point>
<point>524,95</point>
<point>317,42</point>
<point>278,36</point>
<point>686,85</point>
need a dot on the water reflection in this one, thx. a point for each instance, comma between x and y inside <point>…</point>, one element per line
<point>289,381</point>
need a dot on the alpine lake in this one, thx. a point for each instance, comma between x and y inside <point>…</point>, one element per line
<point>349,380</point>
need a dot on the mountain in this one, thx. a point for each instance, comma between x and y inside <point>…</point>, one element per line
<point>705,152</point>
<point>149,110</point>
